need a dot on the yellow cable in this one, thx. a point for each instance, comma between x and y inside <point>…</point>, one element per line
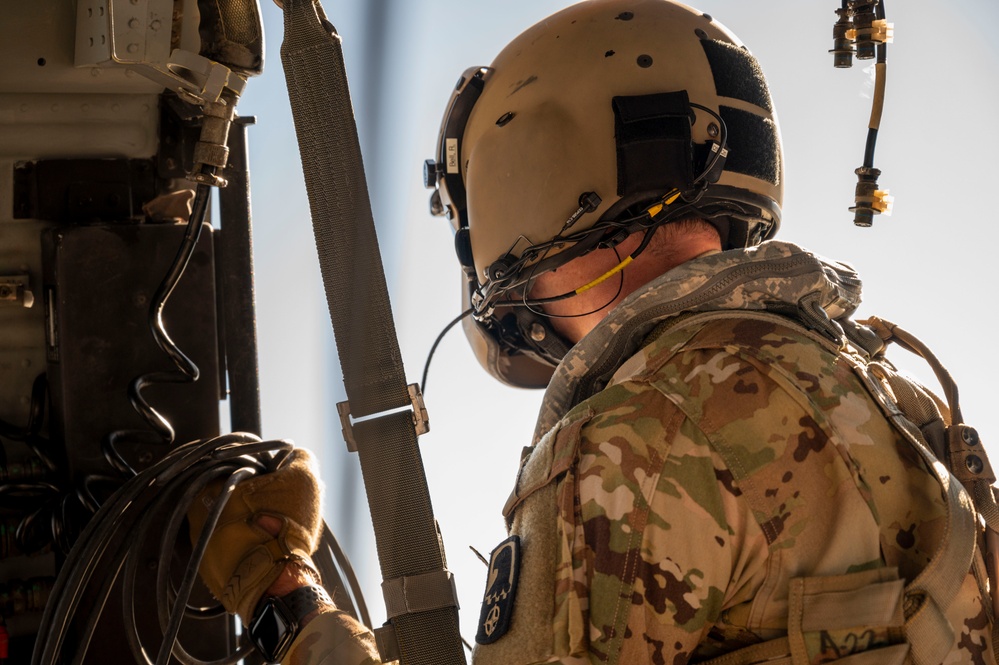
<point>666,200</point>
<point>652,212</point>
<point>616,269</point>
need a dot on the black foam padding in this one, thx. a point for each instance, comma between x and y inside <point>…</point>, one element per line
<point>753,145</point>
<point>737,73</point>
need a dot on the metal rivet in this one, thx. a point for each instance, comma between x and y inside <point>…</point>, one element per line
<point>133,23</point>
<point>712,130</point>
<point>974,464</point>
<point>700,34</point>
<point>645,60</point>
<point>970,436</point>
<point>538,332</point>
<point>132,48</point>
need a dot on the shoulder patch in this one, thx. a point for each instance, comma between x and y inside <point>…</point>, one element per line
<point>501,590</point>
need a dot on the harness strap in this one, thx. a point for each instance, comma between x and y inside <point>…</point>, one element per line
<point>965,455</point>
<point>930,594</point>
<point>406,534</point>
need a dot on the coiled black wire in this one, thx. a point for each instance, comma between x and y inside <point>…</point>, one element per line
<point>55,504</point>
<point>48,507</point>
<point>161,431</point>
<point>153,504</point>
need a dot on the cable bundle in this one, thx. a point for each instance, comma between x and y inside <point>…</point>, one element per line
<point>154,505</point>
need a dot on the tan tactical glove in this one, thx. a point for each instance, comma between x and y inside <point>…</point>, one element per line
<point>243,560</point>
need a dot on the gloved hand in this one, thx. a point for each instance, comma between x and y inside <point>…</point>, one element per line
<point>242,559</point>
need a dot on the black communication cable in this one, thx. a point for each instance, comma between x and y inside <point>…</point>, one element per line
<point>110,544</point>
<point>862,23</point>
<point>430,356</point>
<point>162,431</point>
<point>44,499</point>
<point>509,276</point>
<point>168,646</point>
<point>875,124</point>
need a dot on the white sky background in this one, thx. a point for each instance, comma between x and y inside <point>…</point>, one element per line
<point>928,267</point>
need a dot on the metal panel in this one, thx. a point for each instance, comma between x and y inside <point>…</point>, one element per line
<point>99,282</point>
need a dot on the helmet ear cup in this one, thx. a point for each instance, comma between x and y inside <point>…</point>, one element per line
<point>463,249</point>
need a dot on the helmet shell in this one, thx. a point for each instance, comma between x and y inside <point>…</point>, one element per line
<point>544,129</point>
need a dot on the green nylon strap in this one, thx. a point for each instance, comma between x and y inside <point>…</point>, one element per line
<point>405,529</point>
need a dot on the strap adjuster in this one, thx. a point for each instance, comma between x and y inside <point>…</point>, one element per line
<point>419,593</point>
<point>421,419</point>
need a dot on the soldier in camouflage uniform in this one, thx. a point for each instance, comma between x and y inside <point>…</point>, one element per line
<point>721,471</point>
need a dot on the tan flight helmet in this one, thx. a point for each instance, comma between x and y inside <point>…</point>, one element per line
<point>606,118</point>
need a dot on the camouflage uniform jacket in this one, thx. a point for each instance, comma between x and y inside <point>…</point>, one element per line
<point>696,458</point>
<point>709,455</point>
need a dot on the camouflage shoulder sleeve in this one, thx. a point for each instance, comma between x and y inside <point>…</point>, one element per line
<point>719,466</point>
<point>333,638</point>
<point>785,417</point>
<point>833,486</point>
<point>656,540</point>
<point>711,475</point>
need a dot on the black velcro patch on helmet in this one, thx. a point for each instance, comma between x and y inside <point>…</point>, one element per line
<point>753,145</point>
<point>653,142</point>
<point>737,73</point>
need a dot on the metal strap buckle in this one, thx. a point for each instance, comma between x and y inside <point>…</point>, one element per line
<point>421,420</point>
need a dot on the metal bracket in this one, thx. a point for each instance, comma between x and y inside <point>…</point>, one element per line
<point>138,35</point>
<point>15,290</point>
<point>421,419</point>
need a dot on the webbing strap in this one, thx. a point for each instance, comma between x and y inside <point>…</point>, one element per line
<point>406,534</point>
<point>419,593</point>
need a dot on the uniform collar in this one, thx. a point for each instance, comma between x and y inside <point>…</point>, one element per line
<point>774,276</point>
